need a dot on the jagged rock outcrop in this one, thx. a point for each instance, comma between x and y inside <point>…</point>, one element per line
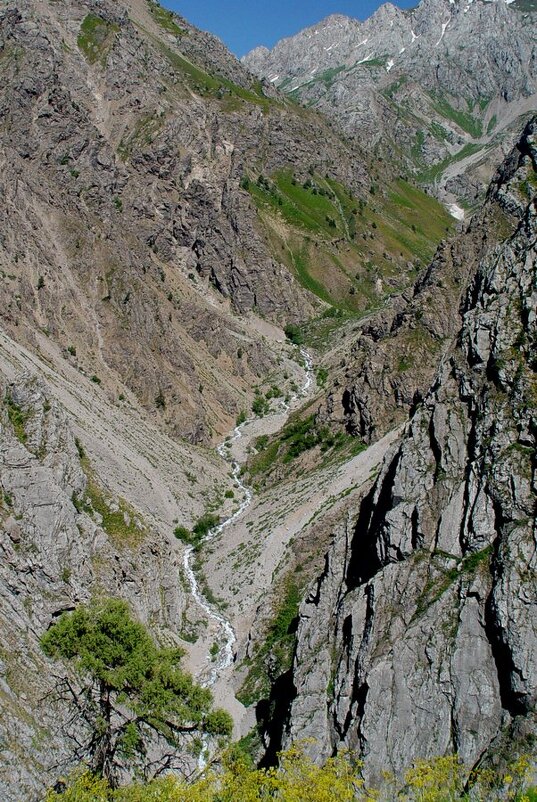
<point>429,595</point>
<point>57,553</point>
<point>421,83</point>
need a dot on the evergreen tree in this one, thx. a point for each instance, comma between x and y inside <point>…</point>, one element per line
<point>129,691</point>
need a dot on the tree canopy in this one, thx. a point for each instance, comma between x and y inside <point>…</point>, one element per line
<point>129,690</point>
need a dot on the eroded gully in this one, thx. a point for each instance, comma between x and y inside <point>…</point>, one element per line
<point>227,638</point>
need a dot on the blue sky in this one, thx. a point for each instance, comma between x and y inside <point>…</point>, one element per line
<point>244,25</point>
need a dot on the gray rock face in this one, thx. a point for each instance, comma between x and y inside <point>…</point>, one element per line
<point>54,557</point>
<point>422,82</point>
<point>429,596</point>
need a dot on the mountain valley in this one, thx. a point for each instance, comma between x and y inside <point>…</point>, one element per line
<point>267,369</point>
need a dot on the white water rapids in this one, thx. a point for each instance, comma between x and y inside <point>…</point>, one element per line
<point>224,658</point>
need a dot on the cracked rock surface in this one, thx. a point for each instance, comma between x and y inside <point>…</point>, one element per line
<point>429,595</point>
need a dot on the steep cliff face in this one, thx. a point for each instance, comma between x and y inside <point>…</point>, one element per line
<point>438,85</point>
<point>64,540</point>
<point>429,593</point>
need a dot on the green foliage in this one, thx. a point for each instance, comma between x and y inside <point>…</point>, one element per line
<point>375,62</point>
<point>182,533</point>
<point>301,263</point>
<point>303,434</point>
<point>321,214</point>
<point>298,779</point>
<point>405,363</point>
<point>441,578</point>
<point>166,19</point>
<point>215,85</point>
<point>310,206</point>
<point>199,532</point>
<point>274,655</point>
<point>118,519</point>
<point>261,442</point>
<point>273,392</point>
<point>294,333</point>
<point>131,687</point>
<point>96,38</point>
<point>204,524</point>
<point>82,787</point>
<point>17,417</point>
<point>436,780</point>
<point>242,417</point>
<point>328,76</point>
<point>260,406</point>
<point>322,376</point>
<point>463,119</point>
<point>145,129</point>
<point>298,436</point>
<point>391,91</point>
<point>430,174</point>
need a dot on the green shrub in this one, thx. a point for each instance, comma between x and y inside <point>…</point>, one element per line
<point>199,531</point>
<point>294,334</point>
<point>18,418</point>
<point>274,655</point>
<point>183,534</point>
<point>260,406</point>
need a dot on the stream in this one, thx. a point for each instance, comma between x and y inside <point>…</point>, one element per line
<point>226,640</point>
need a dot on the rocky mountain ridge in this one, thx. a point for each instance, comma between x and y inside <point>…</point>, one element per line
<point>437,87</point>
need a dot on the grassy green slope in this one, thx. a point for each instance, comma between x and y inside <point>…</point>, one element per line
<point>349,252</point>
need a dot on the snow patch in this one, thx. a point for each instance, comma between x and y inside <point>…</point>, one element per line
<point>444,26</point>
<point>414,37</point>
<point>456,211</point>
<point>273,80</point>
<point>367,58</point>
<point>402,50</point>
<point>389,65</point>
